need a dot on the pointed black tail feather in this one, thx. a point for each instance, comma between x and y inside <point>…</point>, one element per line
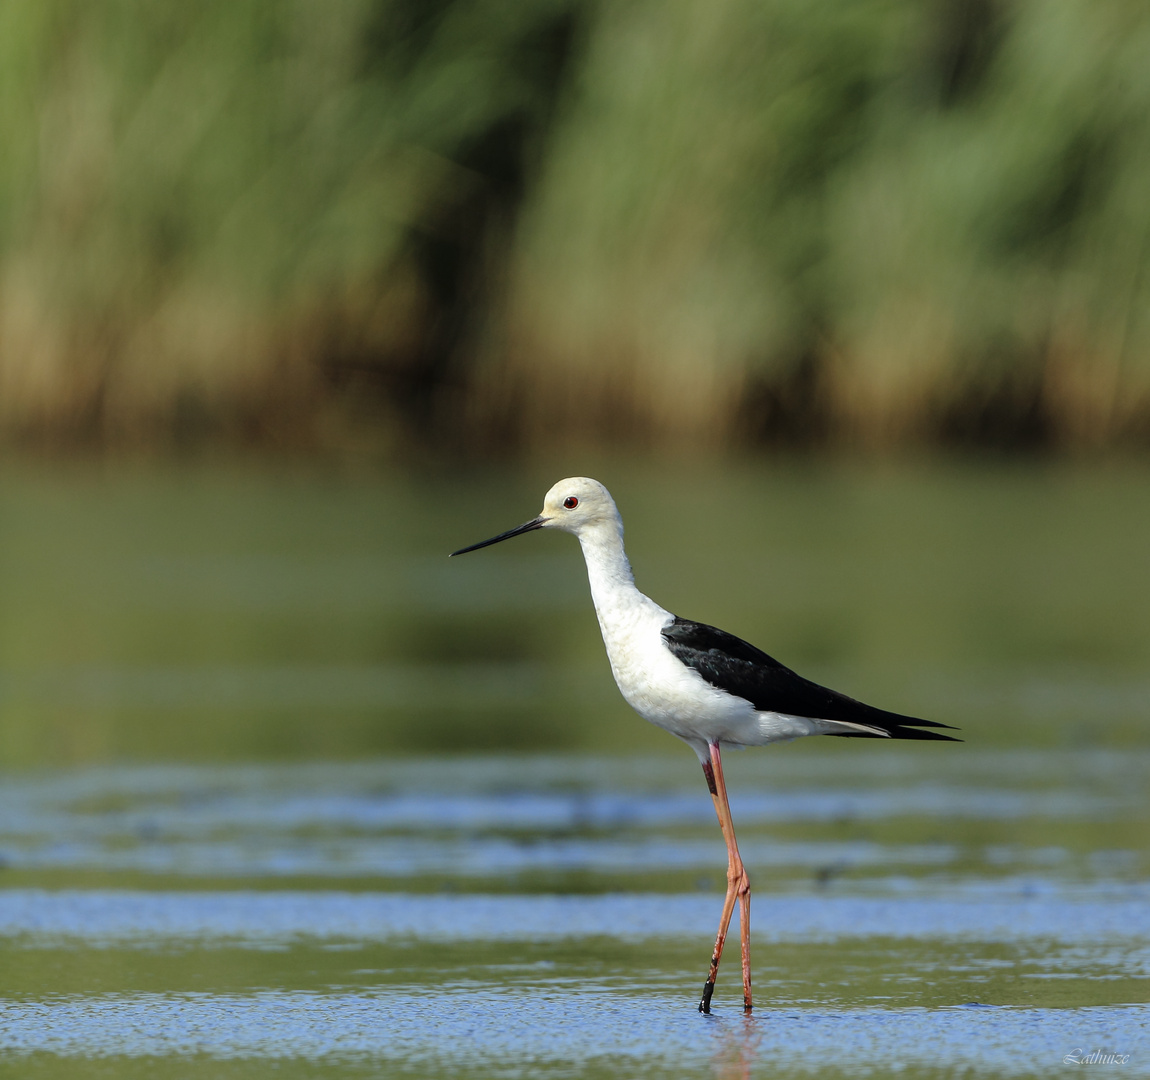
<point>732,665</point>
<point>902,731</point>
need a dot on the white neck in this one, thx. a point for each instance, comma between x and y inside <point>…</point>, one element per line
<point>608,571</point>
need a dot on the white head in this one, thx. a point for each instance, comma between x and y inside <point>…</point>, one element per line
<point>575,505</point>
<point>578,503</point>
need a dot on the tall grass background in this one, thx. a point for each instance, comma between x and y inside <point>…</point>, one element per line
<point>499,224</point>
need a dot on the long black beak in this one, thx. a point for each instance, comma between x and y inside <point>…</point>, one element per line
<point>535,523</point>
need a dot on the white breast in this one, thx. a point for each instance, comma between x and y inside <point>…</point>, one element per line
<point>660,688</point>
<point>654,683</point>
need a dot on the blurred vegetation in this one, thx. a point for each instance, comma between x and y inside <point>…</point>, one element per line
<point>502,223</point>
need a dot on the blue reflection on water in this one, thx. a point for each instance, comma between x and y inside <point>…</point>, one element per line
<point>117,916</point>
<point>541,1027</point>
<point>505,816</point>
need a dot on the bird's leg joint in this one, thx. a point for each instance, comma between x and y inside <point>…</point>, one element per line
<point>738,879</point>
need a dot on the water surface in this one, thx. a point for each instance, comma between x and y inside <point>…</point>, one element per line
<point>287,793</point>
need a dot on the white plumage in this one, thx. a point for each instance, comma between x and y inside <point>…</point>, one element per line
<point>708,687</point>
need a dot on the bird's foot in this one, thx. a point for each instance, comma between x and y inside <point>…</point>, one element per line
<point>708,990</point>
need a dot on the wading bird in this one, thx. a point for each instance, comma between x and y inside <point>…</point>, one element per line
<point>708,687</point>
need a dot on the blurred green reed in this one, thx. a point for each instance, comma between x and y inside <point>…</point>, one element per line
<point>199,202</point>
<point>490,221</point>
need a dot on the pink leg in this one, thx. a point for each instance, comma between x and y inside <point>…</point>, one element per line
<point>738,887</point>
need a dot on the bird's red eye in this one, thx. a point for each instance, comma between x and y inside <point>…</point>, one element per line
<point>570,502</point>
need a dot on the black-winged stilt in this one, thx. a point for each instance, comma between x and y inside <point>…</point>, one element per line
<point>708,687</point>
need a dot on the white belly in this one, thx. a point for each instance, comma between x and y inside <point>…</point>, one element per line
<point>671,695</point>
<point>654,683</point>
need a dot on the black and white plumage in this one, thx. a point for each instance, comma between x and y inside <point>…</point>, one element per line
<point>731,664</point>
<point>706,686</point>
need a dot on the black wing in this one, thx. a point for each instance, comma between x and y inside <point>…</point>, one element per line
<point>731,664</point>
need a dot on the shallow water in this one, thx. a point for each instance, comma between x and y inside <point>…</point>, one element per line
<point>286,795</point>
<point>518,915</point>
